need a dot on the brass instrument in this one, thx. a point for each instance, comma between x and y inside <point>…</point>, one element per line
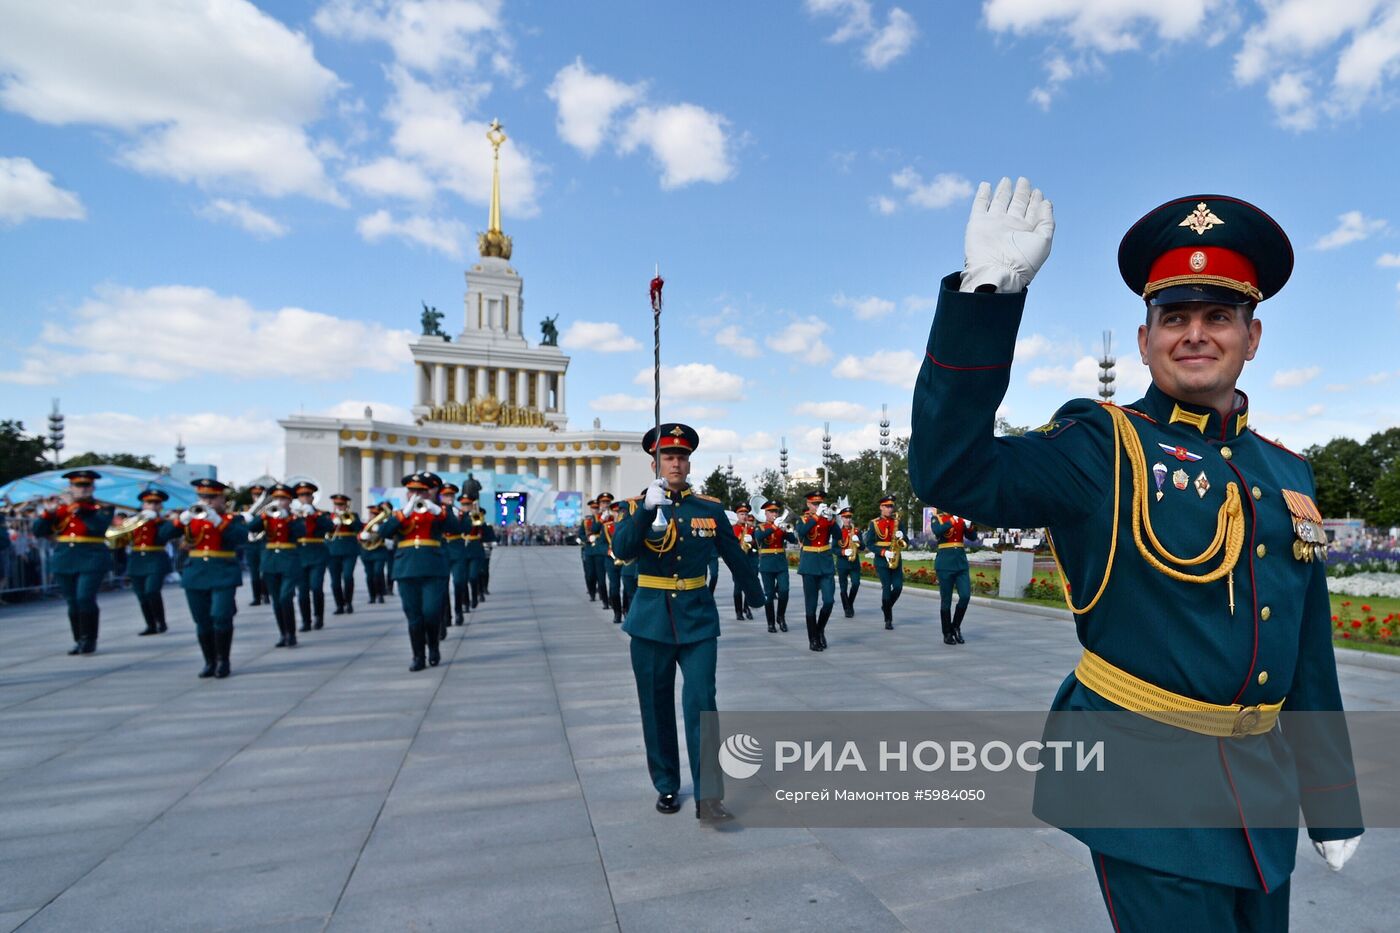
<point>256,509</point>
<point>376,540</point>
<point>896,546</point>
<point>418,505</point>
<point>119,535</point>
<point>274,511</point>
<point>200,510</point>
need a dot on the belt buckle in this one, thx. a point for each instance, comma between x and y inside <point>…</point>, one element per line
<point>1245,720</point>
<point>680,585</point>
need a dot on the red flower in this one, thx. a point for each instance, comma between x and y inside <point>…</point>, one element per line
<point>1385,633</point>
<point>1334,618</point>
<point>1347,603</point>
<point>1338,621</point>
<point>1365,608</point>
<point>1356,623</point>
<point>1346,634</point>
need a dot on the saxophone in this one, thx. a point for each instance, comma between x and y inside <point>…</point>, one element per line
<point>896,546</point>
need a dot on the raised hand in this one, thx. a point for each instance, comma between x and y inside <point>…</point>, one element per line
<point>1008,236</point>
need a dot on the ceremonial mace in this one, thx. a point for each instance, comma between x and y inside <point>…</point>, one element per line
<point>657,283</point>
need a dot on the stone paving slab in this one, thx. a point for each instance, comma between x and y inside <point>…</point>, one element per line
<point>327,788</point>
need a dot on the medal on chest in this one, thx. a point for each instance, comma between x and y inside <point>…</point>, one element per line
<point>1311,542</point>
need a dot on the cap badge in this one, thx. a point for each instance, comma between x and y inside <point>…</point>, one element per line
<point>1198,261</point>
<point>676,431</point>
<point>1200,220</point>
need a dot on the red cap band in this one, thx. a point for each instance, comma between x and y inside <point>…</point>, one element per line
<point>1203,265</point>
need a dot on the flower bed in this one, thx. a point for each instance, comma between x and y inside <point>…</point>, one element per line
<point>1365,584</point>
<point>1361,622</point>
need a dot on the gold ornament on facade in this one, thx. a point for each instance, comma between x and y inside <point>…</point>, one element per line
<point>500,445</point>
<point>493,242</point>
<point>489,410</point>
<point>392,438</point>
<point>361,435</point>
<point>345,434</point>
<point>456,445</point>
<point>413,442</point>
<point>433,442</point>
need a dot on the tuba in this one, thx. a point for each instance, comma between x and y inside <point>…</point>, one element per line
<point>376,540</point>
<point>119,535</point>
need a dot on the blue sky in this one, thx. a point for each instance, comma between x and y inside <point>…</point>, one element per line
<point>213,215</point>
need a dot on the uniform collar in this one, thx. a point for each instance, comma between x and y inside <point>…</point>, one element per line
<point>1198,419</point>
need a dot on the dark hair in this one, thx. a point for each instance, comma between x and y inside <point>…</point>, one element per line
<point>1248,311</point>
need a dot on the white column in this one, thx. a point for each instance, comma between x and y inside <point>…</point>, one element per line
<point>595,476</point>
<point>421,380</point>
<point>481,391</point>
<point>522,388</point>
<point>366,480</point>
<point>501,385</point>
<point>542,391</point>
<point>439,383</point>
<point>561,393</point>
<point>461,385</point>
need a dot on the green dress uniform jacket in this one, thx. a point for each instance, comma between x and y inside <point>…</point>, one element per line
<point>213,558</point>
<point>592,527</point>
<point>414,561</point>
<point>841,540</point>
<point>79,543</point>
<point>148,556</point>
<point>949,559</point>
<point>276,558</point>
<point>1076,476</point>
<point>345,539</point>
<point>815,533</point>
<point>680,616</point>
<point>770,537</point>
<point>313,539</point>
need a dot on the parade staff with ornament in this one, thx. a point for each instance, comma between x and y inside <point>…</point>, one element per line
<point>671,532</point>
<point>212,574</point>
<point>1205,597</point>
<point>80,557</point>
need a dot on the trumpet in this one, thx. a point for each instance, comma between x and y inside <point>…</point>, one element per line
<point>201,511</point>
<point>345,517</point>
<point>256,509</point>
<point>418,505</point>
<point>274,511</point>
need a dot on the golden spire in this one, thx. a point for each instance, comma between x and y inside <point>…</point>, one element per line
<point>493,242</point>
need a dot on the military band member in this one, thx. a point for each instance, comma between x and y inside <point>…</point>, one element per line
<point>614,563</point>
<point>950,564</point>
<point>455,522</point>
<point>474,539</point>
<point>816,567</point>
<point>743,531</point>
<point>212,574</point>
<point>80,557</point>
<point>585,548</point>
<point>281,564</point>
<point>421,566</point>
<point>673,622</point>
<point>629,578</point>
<point>1221,613</point>
<point>149,562</point>
<point>598,545</point>
<point>311,596</point>
<point>374,554</point>
<point>342,550</point>
<point>253,554</point>
<point>886,539</point>
<point>848,546</point>
<point>771,540</point>
<point>488,544</point>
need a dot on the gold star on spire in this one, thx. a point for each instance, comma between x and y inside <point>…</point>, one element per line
<point>493,242</point>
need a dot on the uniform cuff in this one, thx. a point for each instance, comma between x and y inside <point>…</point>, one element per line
<point>974,331</point>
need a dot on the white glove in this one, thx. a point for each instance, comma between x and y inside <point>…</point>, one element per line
<point>364,536</point>
<point>185,517</point>
<point>432,507</point>
<point>824,510</point>
<point>656,494</point>
<point>1337,851</point>
<point>748,539</point>
<point>149,515</point>
<point>1008,236</point>
<point>247,515</point>
<point>899,535</point>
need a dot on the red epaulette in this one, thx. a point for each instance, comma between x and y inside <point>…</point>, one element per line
<point>1278,445</point>
<point>701,495</point>
<point>1131,411</point>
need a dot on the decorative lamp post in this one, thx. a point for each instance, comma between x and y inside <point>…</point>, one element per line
<point>1106,363</point>
<point>826,456</point>
<point>56,432</point>
<point>884,449</point>
<point>783,465</point>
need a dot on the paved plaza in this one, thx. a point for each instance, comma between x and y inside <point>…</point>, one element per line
<point>327,788</point>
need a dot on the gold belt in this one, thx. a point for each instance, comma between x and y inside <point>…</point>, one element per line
<point>891,544</point>
<point>311,540</point>
<point>420,542</point>
<point>770,550</point>
<point>344,534</point>
<point>208,554</point>
<point>79,539</point>
<point>1133,693</point>
<point>454,537</point>
<point>280,546</point>
<point>146,548</point>
<point>951,544</point>
<point>816,550</point>
<point>651,582</point>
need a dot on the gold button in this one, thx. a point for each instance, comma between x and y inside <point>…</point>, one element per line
<point>1257,493</point>
<point>1265,613</point>
<point>1263,678</point>
<point>1225,452</point>
<point>1261,550</point>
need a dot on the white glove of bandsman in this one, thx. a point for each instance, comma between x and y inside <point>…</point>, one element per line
<point>149,515</point>
<point>1008,236</point>
<point>656,494</point>
<point>1337,851</point>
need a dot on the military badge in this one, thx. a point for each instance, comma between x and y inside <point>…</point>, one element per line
<point>1180,480</point>
<point>1180,453</point>
<point>1201,219</point>
<point>702,527</point>
<point>1054,427</point>
<point>1202,484</point>
<point>1311,543</point>
<point>1159,475</point>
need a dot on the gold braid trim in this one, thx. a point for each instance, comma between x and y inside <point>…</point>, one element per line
<point>1229,526</point>
<point>668,540</point>
<point>1195,279</point>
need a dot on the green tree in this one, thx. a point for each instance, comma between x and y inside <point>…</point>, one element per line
<point>1345,472</point>
<point>20,455</point>
<point>769,483</point>
<point>1387,496</point>
<point>134,461</point>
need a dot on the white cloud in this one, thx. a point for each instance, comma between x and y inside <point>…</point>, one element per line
<point>387,176</point>
<point>896,367</point>
<point>28,191</point>
<point>598,336</point>
<point>587,103</point>
<point>427,35</point>
<point>695,382</point>
<point>837,411</point>
<point>865,309</point>
<point>883,204</point>
<point>944,189</point>
<point>698,412</point>
<point>1033,346</point>
<point>354,410</point>
<point>687,140</point>
<point>880,45</point>
<point>1352,227</point>
<point>1292,378</point>
<point>241,445</point>
<point>802,338</point>
<point>1102,25</point>
<point>174,322</point>
<point>215,92</point>
<point>1058,70</point>
<point>1388,260</point>
<point>620,401</point>
<point>244,215</point>
<point>1082,378</point>
<point>918,303</point>
<point>731,339</point>
<point>445,236</point>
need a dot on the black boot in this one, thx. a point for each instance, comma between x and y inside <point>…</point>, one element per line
<point>339,594</point>
<point>772,616</point>
<point>256,586</point>
<point>782,612</point>
<point>89,621</point>
<point>947,618</point>
<point>318,601</point>
<point>486,582</point>
<point>464,602</point>
<point>304,604</point>
<point>433,654</point>
<point>415,638</point>
<point>812,642</point>
<point>738,605</point>
<point>822,619</point>
<point>350,595</point>
<point>888,609</point>
<point>474,588</point>
<point>211,657</point>
<point>957,622</point>
<point>281,625</point>
<point>76,626</point>
<point>147,613</point>
<point>158,609</point>
<point>223,644</point>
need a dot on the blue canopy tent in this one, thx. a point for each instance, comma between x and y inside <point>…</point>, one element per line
<point>119,486</point>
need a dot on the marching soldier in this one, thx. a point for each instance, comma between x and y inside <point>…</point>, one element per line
<point>488,543</point>
<point>473,539</point>
<point>455,522</point>
<point>816,568</point>
<point>281,564</point>
<point>950,564</point>
<point>614,563</point>
<point>342,550</point>
<point>630,575</point>
<point>149,563</point>
<point>886,539</point>
<point>421,567</point>
<point>253,554</point>
<point>212,574</point>
<point>743,531</point>
<point>311,594</point>
<point>585,547</point>
<point>848,550</point>
<point>1190,545</point>
<point>673,621</point>
<point>598,545</point>
<point>771,539</point>
<point>374,554</point>
<point>80,557</point>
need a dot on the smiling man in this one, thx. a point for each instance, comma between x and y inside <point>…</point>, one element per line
<point>1190,543</point>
